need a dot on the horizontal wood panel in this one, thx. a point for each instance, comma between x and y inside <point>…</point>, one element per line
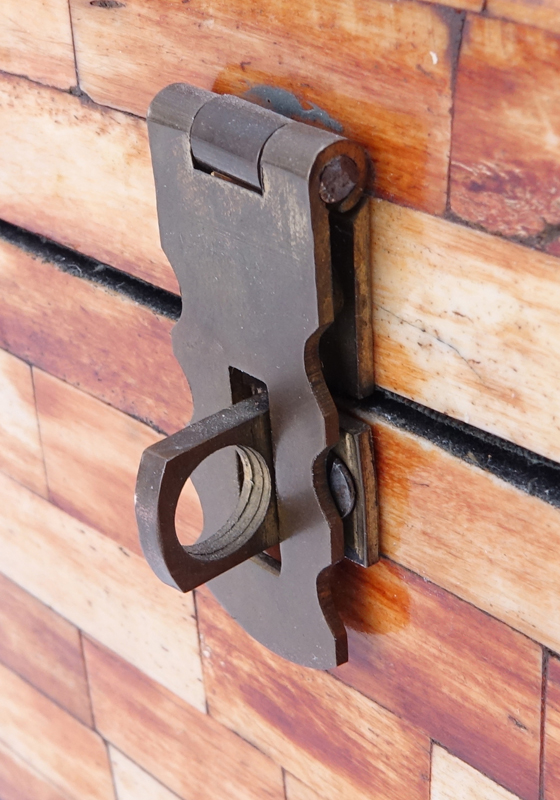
<point>467,531</point>
<point>104,589</point>
<point>469,681</point>
<point>552,732</point>
<point>70,755</point>
<point>96,192</point>
<point>544,14</point>
<point>19,781</point>
<point>506,143</point>
<point>44,649</point>
<point>92,453</point>
<point>20,445</point>
<point>98,340</point>
<point>36,41</point>
<point>400,111</point>
<point>342,745</point>
<point>452,779</point>
<point>468,324</point>
<point>134,783</point>
<point>188,751</point>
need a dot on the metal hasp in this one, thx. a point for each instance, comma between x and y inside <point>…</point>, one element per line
<point>263,222</point>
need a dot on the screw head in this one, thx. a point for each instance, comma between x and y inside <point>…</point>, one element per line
<point>342,487</point>
<point>338,178</point>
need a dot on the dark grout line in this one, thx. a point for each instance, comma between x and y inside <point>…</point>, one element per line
<point>524,469</point>
<point>67,260</point>
<point>534,474</point>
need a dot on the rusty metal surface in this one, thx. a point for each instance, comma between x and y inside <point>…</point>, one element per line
<point>249,238</point>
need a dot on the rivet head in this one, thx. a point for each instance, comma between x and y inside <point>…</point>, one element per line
<point>338,178</point>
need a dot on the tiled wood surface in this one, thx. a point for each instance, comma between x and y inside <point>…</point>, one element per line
<point>44,649</point>
<point>36,41</point>
<point>444,696</point>
<point>470,682</point>
<point>452,779</point>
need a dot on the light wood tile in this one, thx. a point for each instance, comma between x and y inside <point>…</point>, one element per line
<point>467,323</point>
<point>96,339</point>
<point>394,97</point>
<point>543,14</point>
<point>92,453</point>
<point>452,779</point>
<point>19,781</point>
<point>96,192</point>
<point>506,131</point>
<point>20,445</point>
<point>134,783</point>
<point>344,746</point>
<point>36,41</point>
<point>104,589</point>
<point>552,732</point>
<point>471,533</point>
<point>469,681</point>
<point>70,755</point>
<point>188,751</point>
<point>43,648</point>
<point>296,790</point>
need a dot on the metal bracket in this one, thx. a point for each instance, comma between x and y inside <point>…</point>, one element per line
<point>263,221</point>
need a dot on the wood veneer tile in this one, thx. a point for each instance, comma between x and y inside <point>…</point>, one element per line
<point>20,445</point>
<point>296,790</point>
<point>452,779</point>
<point>469,681</point>
<point>36,41</point>
<point>344,746</point>
<point>469,532</point>
<point>188,751</point>
<point>19,781</point>
<point>43,648</point>
<point>552,732</point>
<point>134,783</point>
<point>395,97</point>
<point>102,588</point>
<point>543,14</point>
<point>96,192</point>
<point>467,323</point>
<point>506,144</point>
<point>98,340</point>
<point>70,755</point>
<point>92,453</point>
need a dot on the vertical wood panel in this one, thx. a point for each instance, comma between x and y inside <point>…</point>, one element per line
<point>469,681</point>
<point>20,445</point>
<point>67,753</point>
<point>43,648</point>
<point>36,41</point>
<point>342,745</point>
<point>452,779</point>
<point>107,591</point>
<point>552,732</point>
<point>188,751</point>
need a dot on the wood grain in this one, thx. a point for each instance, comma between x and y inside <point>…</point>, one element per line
<point>394,97</point>
<point>542,14</point>
<point>469,681</point>
<point>20,446</point>
<point>452,779</point>
<point>36,41</point>
<point>134,783</point>
<point>96,192</point>
<point>92,453</point>
<point>188,751</point>
<point>44,649</point>
<point>19,781</point>
<point>476,536</point>
<point>296,790</point>
<point>342,745</point>
<point>552,732</point>
<point>69,755</point>
<point>506,132</point>
<point>467,323</point>
<point>96,339</point>
<point>102,588</point>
